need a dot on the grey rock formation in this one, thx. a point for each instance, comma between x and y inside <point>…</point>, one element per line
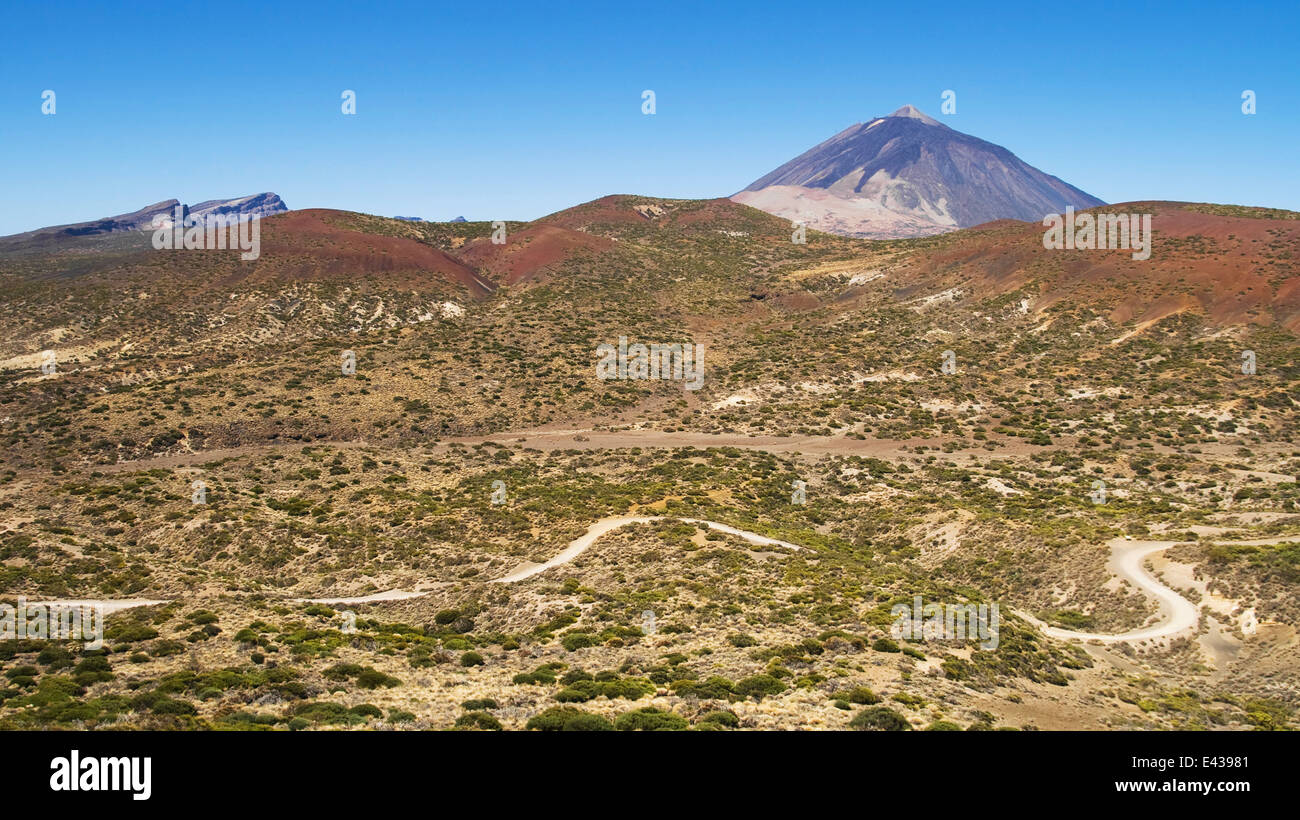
<point>258,205</point>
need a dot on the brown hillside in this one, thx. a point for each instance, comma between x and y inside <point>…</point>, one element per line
<point>307,246</point>
<point>1233,269</point>
<point>527,254</point>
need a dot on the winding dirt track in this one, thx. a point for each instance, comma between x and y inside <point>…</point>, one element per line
<point>1178,614</point>
<point>579,545</point>
<point>575,548</point>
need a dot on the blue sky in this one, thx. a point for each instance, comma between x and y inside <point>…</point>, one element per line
<point>505,111</point>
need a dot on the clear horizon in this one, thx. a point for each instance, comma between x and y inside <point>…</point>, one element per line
<point>517,112</point>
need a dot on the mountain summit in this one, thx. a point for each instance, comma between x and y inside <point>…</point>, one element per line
<point>908,175</point>
<point>912,112</point>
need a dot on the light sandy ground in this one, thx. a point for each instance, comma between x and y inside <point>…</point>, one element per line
<point>109,605</point>
<point>190,459</point>
<point>386,595</point>
<point>1263,542</point>
<point>1254,517</point>
<point>998,486</point>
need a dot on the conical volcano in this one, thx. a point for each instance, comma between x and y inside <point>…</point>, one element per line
<point>908,175</point>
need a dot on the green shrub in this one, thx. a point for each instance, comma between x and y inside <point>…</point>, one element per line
<point>553,719</point>
<point>586,722</point>
<point>715,687</point>
<point>943,726</point>
<point>93,670</point>
<point>55,657</point>
<point>568,719</point>
<point>578,693</point>
<point>373,679</point>
<point>650,719</point>
<point>859,694</point>
<point>170,706</point>
<point>478,720</point>
<point>721,717</point>
<point>130,632</point>
<point>956,669</point>
<point>325,712</point>
<point>759,686</point>
<point>577,640</point>
<point>585,690</point>
<point>343,671</point>
<point>880,719</point>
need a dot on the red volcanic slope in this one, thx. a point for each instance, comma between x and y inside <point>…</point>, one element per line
<point>304,245</point>
<point>622,209</point>
<point>528,253</point>
<point>1235,270</point>
<point>608,210</point>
